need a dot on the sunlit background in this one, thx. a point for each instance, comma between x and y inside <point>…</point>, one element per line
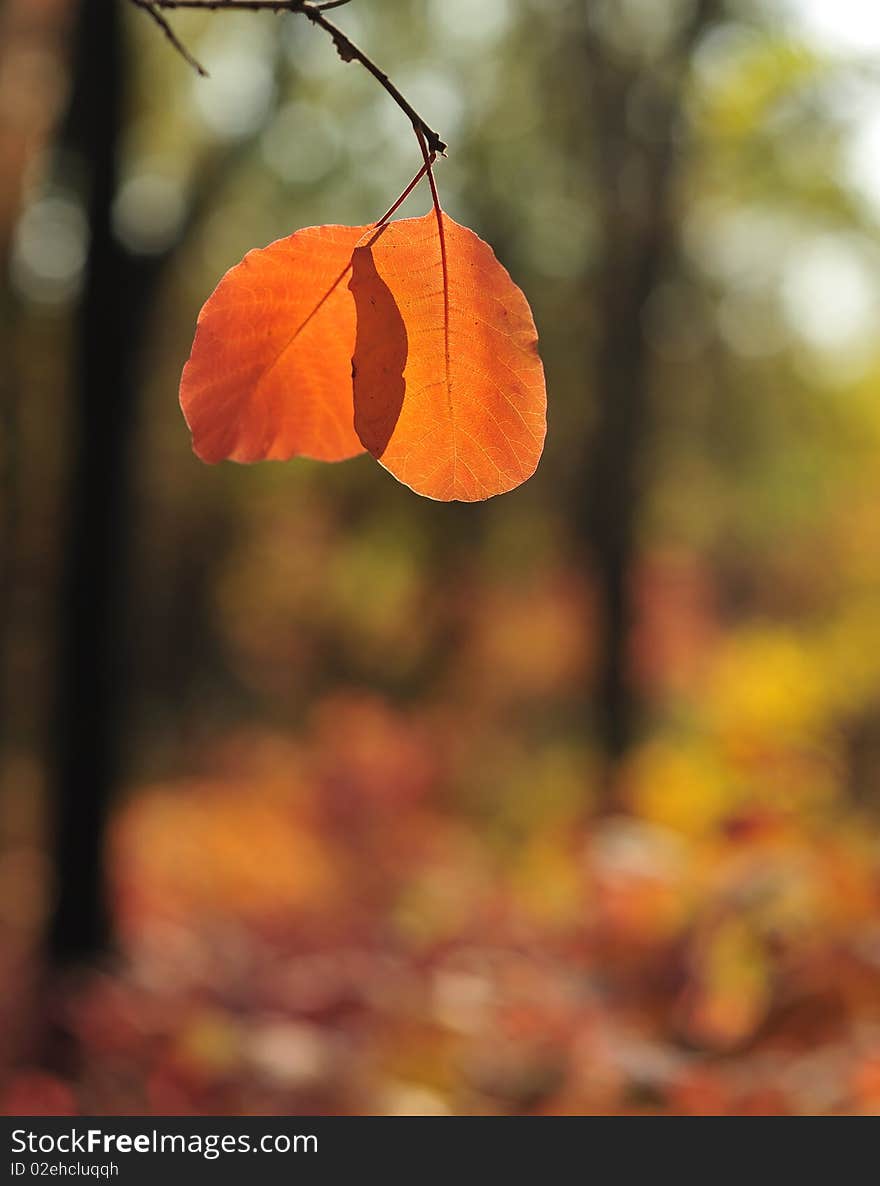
<point>400,824</point>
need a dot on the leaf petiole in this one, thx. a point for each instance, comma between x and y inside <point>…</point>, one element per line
<point>412,185</point>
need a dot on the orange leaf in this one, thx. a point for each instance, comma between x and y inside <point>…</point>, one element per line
<point>448,387</point>
<point>269,375</point>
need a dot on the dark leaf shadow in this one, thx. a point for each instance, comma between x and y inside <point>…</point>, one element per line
<point>380,354</point>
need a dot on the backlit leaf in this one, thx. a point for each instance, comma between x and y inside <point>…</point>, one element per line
<point>448,386</point>
<point>269,376</point>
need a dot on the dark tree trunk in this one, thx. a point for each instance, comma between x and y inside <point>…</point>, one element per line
<point>636,236</point>
<point>636,165</point>
<point>93,681</point>
<point>85,745</point>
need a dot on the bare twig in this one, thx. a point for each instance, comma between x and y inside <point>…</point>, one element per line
<point>349,52</point>
<point>345,47</point>
<point>152,11</point>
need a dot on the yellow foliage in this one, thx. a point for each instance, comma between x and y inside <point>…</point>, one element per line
<point>679,785</point>
<point>766,687</point>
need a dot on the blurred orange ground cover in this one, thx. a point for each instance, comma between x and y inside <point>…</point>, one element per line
<point>319,925</point>
<point>406,910</point>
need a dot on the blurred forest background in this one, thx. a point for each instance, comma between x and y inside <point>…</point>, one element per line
<point>321,797</point>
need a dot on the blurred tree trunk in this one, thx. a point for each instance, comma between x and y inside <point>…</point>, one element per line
<point>90,682</point>
<point>93,680</point>
<point>636,113</point>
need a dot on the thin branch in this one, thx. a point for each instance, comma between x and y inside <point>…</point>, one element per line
<point>235,5</point>
<point>152,11</point>
<point>349,52</point>
<point>345,47</point>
